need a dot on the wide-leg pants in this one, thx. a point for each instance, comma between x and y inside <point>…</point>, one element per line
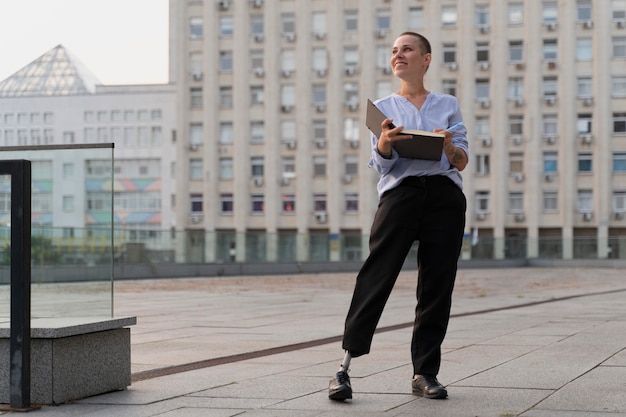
<point>428,209</point>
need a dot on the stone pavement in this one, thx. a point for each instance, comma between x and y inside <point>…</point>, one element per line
<point>531,342</point>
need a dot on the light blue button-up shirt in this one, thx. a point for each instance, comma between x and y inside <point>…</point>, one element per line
<point>438,111</point>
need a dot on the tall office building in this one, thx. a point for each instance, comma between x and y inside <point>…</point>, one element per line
<point>273,149</point>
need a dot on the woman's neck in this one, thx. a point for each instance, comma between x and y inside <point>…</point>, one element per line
<point>413,91</point>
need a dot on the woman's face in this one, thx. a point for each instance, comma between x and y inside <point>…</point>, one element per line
<point>407,59</point>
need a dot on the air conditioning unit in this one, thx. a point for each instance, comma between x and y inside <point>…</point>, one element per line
<point>548,177</point>
<point>486,142</point>
<point>484,66</point>
<point>352,105</point>
<point>620,24</point>
<point>321,217</point>
<point>386,70</point>
<point>519,102</point>
<point>551,26</point>
<point>196,218</point>
<point>481,215</point>
<point>196,75</point>
<point>619,215</point>
<point>347,179</point>
<point>519,177</point>
<point>354,144</point>
<point>350,70</point>
<point>320,143</point>
<point>517,140</point>
<point>256,3</point>
<point>453,66</point>
<point>286,108</point>
<point>520,66</point>
<point>321,72</point>
<point>485,103</point>
<point>286,73</point>
<point>291,37</point>
<point>586,139</point>
<point>484,29</point>
<point>587,216</point>
<point>519,217</point>
<point>194,146</point>
<point>291,144</point>
<point>284,181</point>
<point>259,72</point>
<point>320,35</point>
<point>550,140</point>
<point>588,101</point>
<point>588,24</point>
<point>550,100</point>
<point>381,33</point>
<point>258,181</point>
<point>223,4</point>
<point>551,65</point>
<point>321,108</point>
<point>258,37</point>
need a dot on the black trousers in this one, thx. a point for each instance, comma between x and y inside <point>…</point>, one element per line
<point>430,210</point>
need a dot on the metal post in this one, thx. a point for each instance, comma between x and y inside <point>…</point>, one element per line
<point>19,380</point>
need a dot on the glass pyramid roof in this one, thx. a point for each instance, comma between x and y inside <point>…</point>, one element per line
<point>55,73</point>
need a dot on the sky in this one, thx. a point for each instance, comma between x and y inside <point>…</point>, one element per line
<point>119,41</point>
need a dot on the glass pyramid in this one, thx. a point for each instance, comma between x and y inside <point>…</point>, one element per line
<point>55,73</point>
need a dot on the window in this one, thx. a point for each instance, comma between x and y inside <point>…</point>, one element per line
<point>226,26</point>
<point>516,202</point>
<point>482,15</point>
<point>195,96</point>
<point>89,117</point>
<point>129,116</point>
<point>618,86</point>
<point>195,201</point>
<point>226,168</point>
<point>320,60</point>
<point>449,53</point>
<point>288,203</point>
<point>516,88</point>
<point>550,163</point>
<point>448,87</point>
<point>351,165</point>
<point>516,162</point>
<point>226,133</point>
<point>288,131</point>
<point>482,89</point>
<point>619,47</point>
<point>516,125</point>
<point>319,130</point>
<point>68,203</point>
<point>288,167</point>
<point>516,13</point>
<point>319,166</point>
<point>383,88</point>
<point>550,12</point>
<point>415,18</point>
<point>482,126</point>
<point>383,20</point>
<point>618,10</point>
<point>583,10</point>
<point>584,123</point>
<point>319,24</point>
<point>256,59</point>
<point>619,201</point>
<point>48,118</point>
<point>585,201</point>
<point>351,129</point>
<point>619,123</point>
<point>585,162</point>
<point>226,97</point>
<point>549,49</point>
<point>257,166</point>
<point>256,95</point>
<point>258,203</point>
<point>549,86</point>
<point>549,125</point>
<point>482,202</point>
<point>319,94</point>
<point>550,201</point>
<point>256,26</point>
<point>195,28</point>
<point>516,51</point>
<point>350,57</point>
<point>288,23</point>
<point>619,162</point>
<point>584,49</point>
<point>288,61</point>
<point>195,64</point>
<point>156,135</point>
<point>319,203</point>
<point>156,114</point>
<point>351,93</point>
<point>257,131</point>
<point>226,203</point>
<point>226,61</point>
<point>195,169</point>
<point>351,20</point>
<point>68,170</point>
<point>482,52</point>
<point>352,202</point>
<point>448,16</point>
<point>116,115</point>
<point>196,134</point>
<point>584,87</point>
<point>482,164</point>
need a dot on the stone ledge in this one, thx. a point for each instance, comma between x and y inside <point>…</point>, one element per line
<point>57,327</point>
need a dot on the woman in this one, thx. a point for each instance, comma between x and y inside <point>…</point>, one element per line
<point>418,200</point>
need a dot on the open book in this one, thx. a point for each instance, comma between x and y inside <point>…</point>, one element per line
<point>422,145</point>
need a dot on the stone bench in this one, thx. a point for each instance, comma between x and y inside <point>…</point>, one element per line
<point>72,358</point>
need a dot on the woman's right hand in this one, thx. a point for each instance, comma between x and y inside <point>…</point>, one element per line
<point>388,135</point>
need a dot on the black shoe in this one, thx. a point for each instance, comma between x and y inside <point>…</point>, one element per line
<point>339,387</point>
<point>427,386</point>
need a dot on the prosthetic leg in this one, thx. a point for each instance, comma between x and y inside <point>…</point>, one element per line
<point>339,388</point>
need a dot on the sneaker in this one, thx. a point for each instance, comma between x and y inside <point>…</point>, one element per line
<point>427,386</point>
<point>339,387</point>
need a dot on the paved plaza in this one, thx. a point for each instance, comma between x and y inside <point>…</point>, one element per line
<point>531,342</point>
